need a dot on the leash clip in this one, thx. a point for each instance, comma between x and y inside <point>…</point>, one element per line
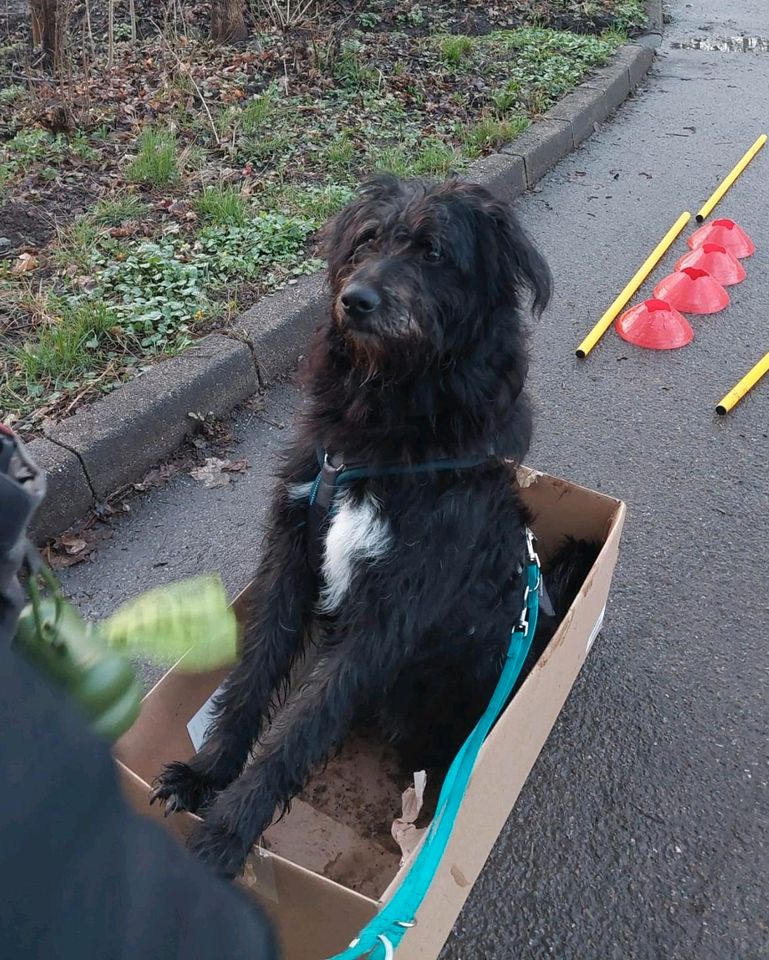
<point>530,541</point>
<point>533,558</point>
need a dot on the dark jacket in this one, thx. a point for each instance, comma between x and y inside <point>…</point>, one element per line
<point>81,876</point>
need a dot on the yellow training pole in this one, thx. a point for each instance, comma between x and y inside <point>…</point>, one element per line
<point>638,278</point>
<point>729,180</point>
<point>747,383</point>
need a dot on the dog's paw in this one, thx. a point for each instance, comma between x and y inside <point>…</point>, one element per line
<point>224,852</point>
<point>179,787</point>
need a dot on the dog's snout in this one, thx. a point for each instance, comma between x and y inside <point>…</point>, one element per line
<point>360,301</point>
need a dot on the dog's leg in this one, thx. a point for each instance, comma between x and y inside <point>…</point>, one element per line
<point>390,606</point>
<point>359,660</point>
<point>312,722</point>
<point>279,603</point>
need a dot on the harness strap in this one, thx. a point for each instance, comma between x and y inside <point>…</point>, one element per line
<point>335,473</point>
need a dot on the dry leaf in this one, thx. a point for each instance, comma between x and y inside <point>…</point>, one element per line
<point>157,476</point>
<point>212,473</point>
<point>25,263</point>
<point>236,466</point>
<point>72,544</point>
<point>60,561</point>
<point>69,550</point>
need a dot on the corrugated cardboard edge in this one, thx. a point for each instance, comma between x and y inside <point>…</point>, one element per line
<point>330,913</point>
<point>330,909</point>
<point>494,788</point>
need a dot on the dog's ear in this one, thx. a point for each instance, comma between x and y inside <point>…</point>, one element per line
<point>511,259</point>
<point>519,259</point>
<point>531,266</point>
<point>339,236</point>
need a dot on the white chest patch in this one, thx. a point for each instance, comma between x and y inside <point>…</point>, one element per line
<point>357,531</point>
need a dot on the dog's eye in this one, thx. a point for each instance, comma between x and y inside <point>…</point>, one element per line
<point>362,247</point>
<point>433,254</point>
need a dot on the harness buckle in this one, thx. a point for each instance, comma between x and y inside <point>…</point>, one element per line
<point>327,463</point>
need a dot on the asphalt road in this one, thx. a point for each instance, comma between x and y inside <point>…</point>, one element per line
<point>642,831</point>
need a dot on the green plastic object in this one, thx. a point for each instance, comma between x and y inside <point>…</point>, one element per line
<point>190,619</point>
<point>101,682</point>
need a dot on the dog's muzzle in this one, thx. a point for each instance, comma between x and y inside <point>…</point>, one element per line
<point>359,304</point>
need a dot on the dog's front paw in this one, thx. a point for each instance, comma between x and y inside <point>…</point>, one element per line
<point>179,787</point>
<point>223,851</point>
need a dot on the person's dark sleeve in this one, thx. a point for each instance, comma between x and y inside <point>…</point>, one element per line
<point>81,876</point>
<point>17,504</point>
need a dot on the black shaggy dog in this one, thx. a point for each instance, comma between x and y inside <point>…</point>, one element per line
<point>406,616</point>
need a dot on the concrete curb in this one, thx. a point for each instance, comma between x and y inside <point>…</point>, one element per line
<point>279,327</point>
<point>118,438</point>
<point>115,440</point>
<point>656,24</point>
<point>68,496</point>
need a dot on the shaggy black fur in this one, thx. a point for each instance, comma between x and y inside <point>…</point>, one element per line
<point>423,357</point>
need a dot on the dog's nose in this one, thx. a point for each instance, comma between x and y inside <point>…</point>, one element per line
<point>359,300</point>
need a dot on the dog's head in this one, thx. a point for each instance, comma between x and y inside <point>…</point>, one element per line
<point>417,270</point>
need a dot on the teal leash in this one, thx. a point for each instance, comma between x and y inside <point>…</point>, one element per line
<point>381,936</point>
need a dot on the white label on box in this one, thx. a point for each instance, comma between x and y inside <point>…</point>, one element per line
<point>596,629</point>
<point>199,724</point>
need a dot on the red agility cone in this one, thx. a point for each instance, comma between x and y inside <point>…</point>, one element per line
<point>655,325</point>
<point>715,260</point>
<point>728,234</point>
<point>692,291</point>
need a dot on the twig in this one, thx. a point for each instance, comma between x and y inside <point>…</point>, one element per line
<point>186,70</point>
<point>282,14</point>
<point>110,32</point>
<point>110,369</point>
<point>271,423</point>
<point>89,28</point>
<point>27,78</point>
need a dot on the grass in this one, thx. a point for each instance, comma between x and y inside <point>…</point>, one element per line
<point>317,204</point>
<point>77,244</point>
<point>257,112</point>
<point>115,211</point>
<point>507,97</point>
<point>340,153</point>
<point>392,160</point>
<point>27,149</point>
<point>6,178</point>
<point>147,296</point>
<point>11,93</point>
<point>628,15</point>
<point>490,133</point>
<point>221,205</point>
<point>110,298</point>
<point>156,162</point>
<point>349,71</point>
<point>436,158</point>
<point>66,343</point>
<point>548,63</point>
<point>454,49</point>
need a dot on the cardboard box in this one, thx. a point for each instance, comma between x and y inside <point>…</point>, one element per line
<point>330,863</point>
